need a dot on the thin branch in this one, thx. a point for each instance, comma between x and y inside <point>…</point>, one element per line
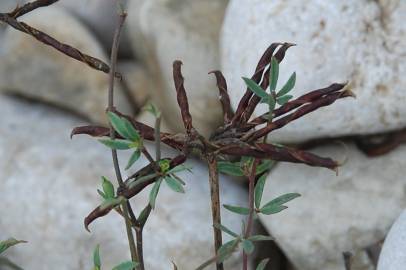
<point>113,63</point>
<point>215,204</point>
<point>250,220</point>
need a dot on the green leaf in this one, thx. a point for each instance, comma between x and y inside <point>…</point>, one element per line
<point>265,165</point>
<point>180,168</point>
<point>237,209</point>
<point>248,246</point>
<point>129,265</point>
<point>255,238</point>
<point>96,257</point>
<point>227,249</point>
<point>118,124</point>
<point>117,144</point>
<point>288,85</point>
<point>254,87</point>
<point>151,108</point>
<point>274,74</point>
<point>229,168</point>
<point>272,209</point>
<point>276,205</point>
<point>282,100</point>
<point>225,229</point>
<point>284,198</point>
<point>271,107</point>
<point>262,264</point>
<point>111,202</point>
<point>154,193</point>
<point>102,194</point>
<point>123,127</point>
<point>142,218</point>
<point>108,188</point>
<point>134,157</point>
<point>174,184</point>
<point>259,190</point>
<point>9,243</point>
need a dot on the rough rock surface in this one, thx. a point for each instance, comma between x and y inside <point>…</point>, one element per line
<point>34,70</point>
<point>49,185</point>
<point>347,212</point>
<point>393,256</point>
<point>360,41</point>
<point>188,31</point>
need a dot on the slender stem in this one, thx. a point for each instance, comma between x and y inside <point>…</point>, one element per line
<point>138,232</point>
<point>157,136</point>
<point>215,203</point>
<point>113,64</point>
<point>131,241</point>
<point>250,220</point>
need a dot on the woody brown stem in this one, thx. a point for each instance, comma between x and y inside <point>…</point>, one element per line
<point>215,204</point>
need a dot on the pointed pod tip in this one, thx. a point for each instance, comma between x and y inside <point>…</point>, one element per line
<point>86,223</point>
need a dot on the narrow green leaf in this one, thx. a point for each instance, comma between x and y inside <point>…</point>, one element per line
<point>237,209</point>
<point>111,202</point>
<point>248,246</point>
<point>276,205</point>
<point>288,85</point>
<point>141,179</point>
<point>284,198</point>
<point>151,108</point>
<point>282,100</point>
<point>271,107</point>
<point>134,157</point>
<point>174,184</point>
<point>123,127</point>
<point>259,190</point>
<point>227,249</point>
<point>154,193</point>
<point>142,218</point>
<point>180,168</point>
<point>266,165</point>
<point>274,74</point>
<point>255,238</point>
<point>254,87</point>
<point>96,257</point>
<point>116,144</point>
<point>262,264</point>
<point>101,193</point>
<point>118,124</point>
<point>133,134</point>
<point>126,266</point>
<point>225,229</point>
<point>9,243</point>
<point>229,168</point>
<point>108,188</point>
<point>272,209</point>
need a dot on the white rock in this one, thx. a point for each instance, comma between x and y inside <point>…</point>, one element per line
<point>49,185</point>
<point>101,18</point>
<point>393,255</point>
<point>188,31</point>
<point>361,41</point>
<point>347,212</point>
<point>34,70</point>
